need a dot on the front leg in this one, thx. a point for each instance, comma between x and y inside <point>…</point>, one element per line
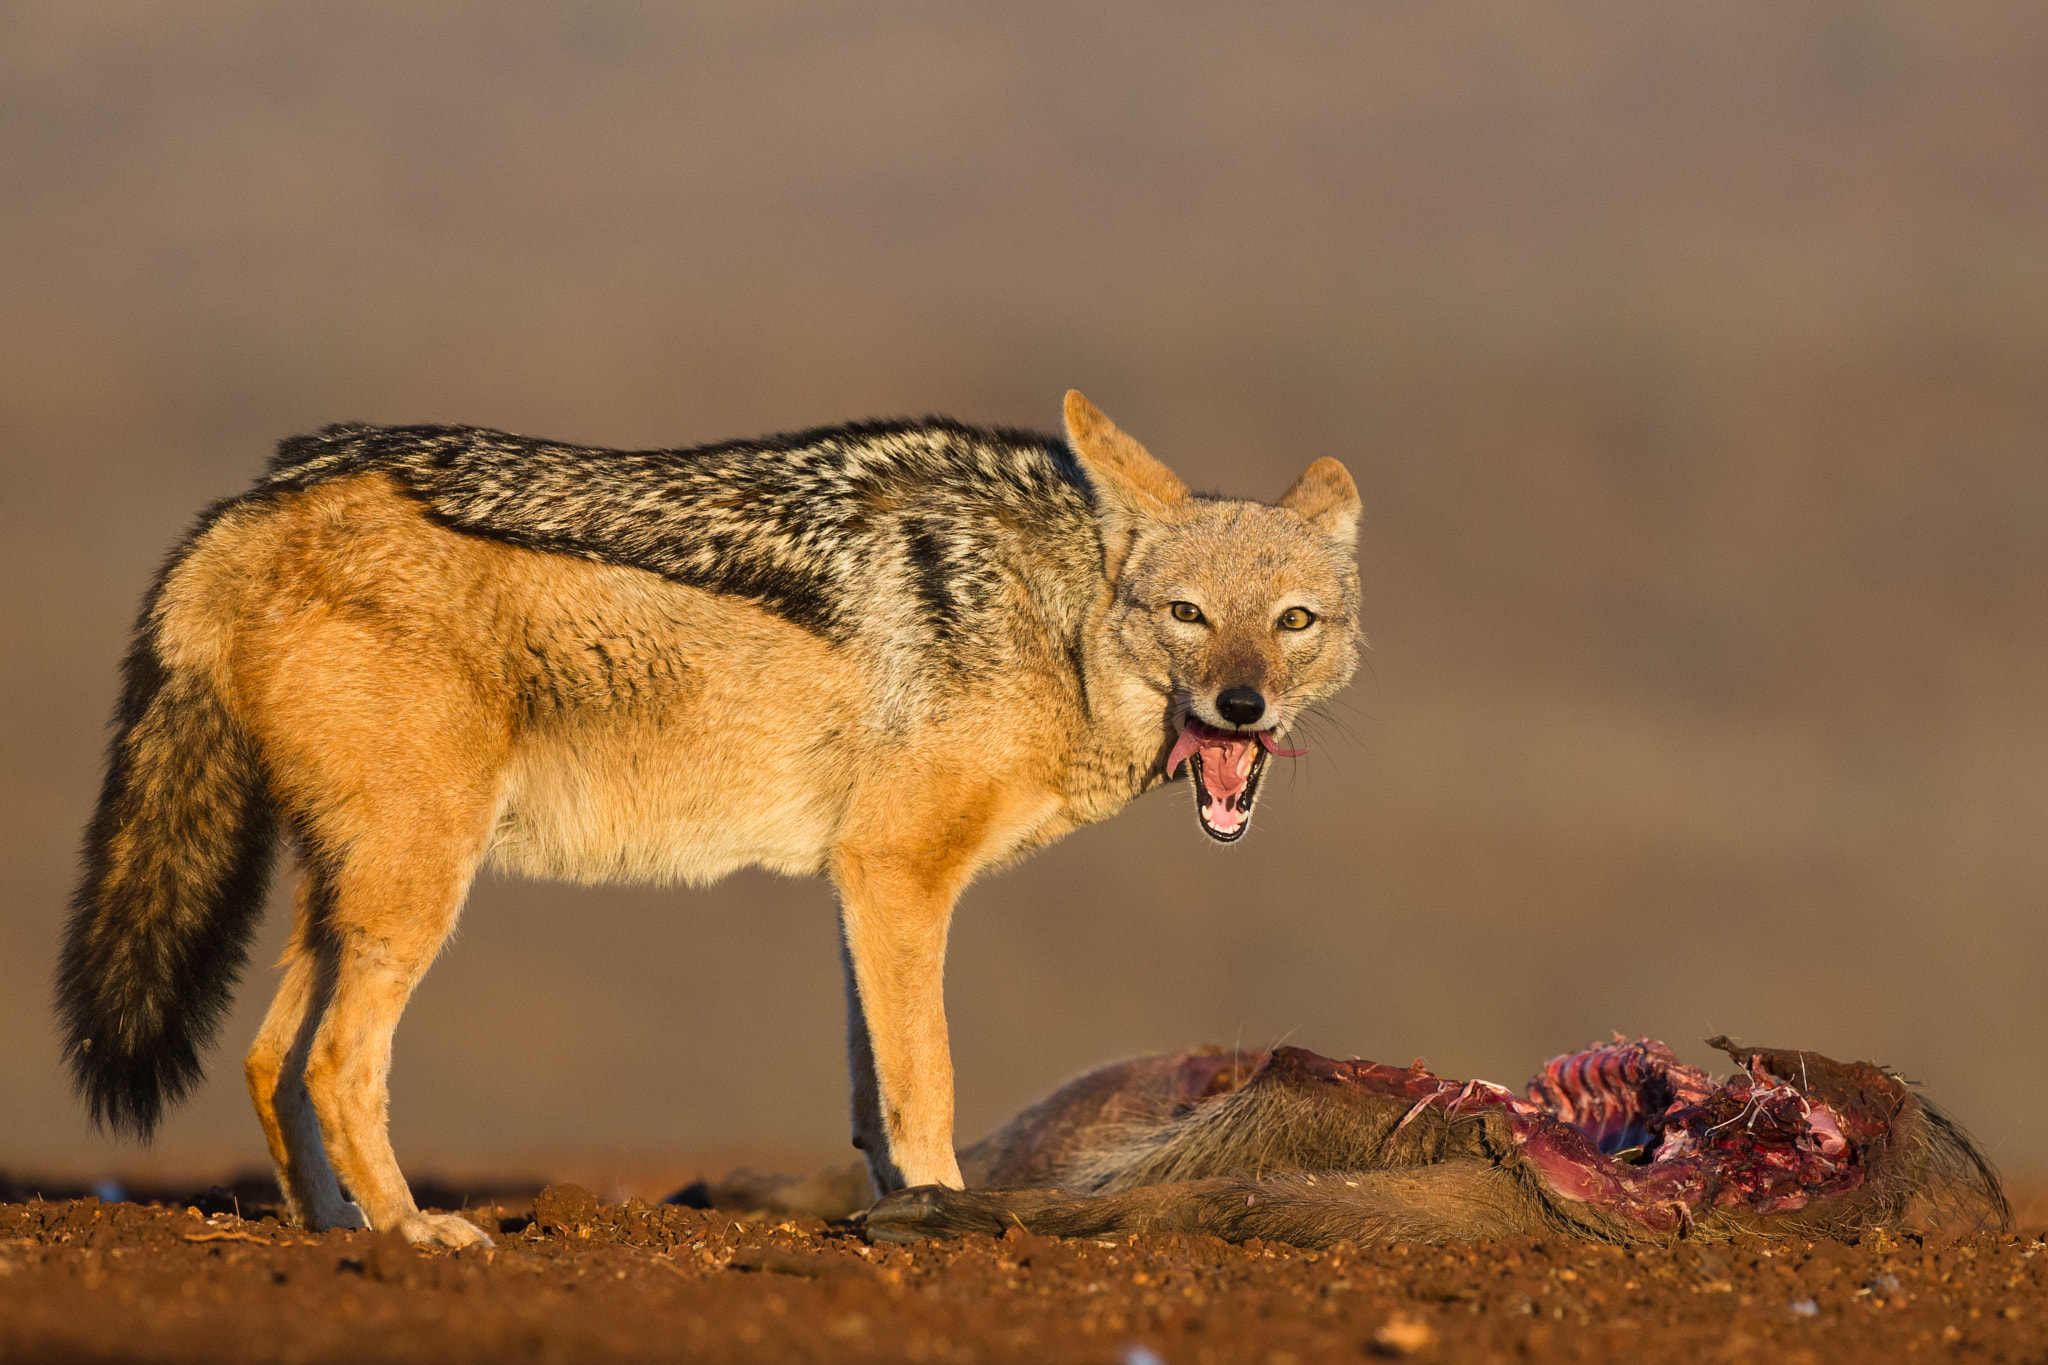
<point>894,918</point>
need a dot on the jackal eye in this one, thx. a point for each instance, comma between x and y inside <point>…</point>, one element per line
<point>1186,611</point>
<point>1297,618</point>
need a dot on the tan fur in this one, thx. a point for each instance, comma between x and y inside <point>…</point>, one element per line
<point>425,701</point>
<point>405,744</point>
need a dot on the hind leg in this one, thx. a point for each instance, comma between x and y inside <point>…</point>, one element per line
<point>392,909</point>
<point>276,1070</point>
<point>385,753</point>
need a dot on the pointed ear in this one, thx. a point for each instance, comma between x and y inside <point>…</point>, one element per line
<point>1130,486</point>
<point>1326,499</point>
<point>1133,477</point>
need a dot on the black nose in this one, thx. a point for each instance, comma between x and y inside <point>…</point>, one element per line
<point>1240,705</point>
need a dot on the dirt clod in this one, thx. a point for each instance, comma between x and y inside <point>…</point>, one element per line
<point>565,1209</point>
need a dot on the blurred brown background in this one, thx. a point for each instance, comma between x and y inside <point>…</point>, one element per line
<point>1690,359</point>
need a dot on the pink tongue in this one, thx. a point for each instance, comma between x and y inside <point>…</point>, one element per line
<point>1272,746</point>
<point>1226,755</point>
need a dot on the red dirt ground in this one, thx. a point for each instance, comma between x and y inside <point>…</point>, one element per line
<point>85,1280</point>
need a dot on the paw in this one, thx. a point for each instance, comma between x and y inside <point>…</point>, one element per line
<point>441,1229</point>
<point>933,1211</point>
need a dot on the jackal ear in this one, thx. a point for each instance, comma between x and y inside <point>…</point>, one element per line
<point>1326,499</point>
<point>1129,484</point>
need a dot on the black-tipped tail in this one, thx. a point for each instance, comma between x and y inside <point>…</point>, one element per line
<point>176,861</point>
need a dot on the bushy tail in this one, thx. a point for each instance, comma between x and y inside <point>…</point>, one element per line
<point>176,861</point>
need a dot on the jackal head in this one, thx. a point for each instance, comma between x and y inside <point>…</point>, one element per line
<point>1241,614</point>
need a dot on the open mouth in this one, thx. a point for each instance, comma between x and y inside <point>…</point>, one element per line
<point>1224,767</point>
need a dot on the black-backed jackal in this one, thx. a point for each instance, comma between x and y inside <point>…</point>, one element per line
<point>895,654</point>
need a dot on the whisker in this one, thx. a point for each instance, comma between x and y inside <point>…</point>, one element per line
<point>1317,715</point>
<point>1348,705</point>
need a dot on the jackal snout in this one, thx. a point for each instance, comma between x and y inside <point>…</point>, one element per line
<point>1236,668</point>
<point>1238,691</point>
